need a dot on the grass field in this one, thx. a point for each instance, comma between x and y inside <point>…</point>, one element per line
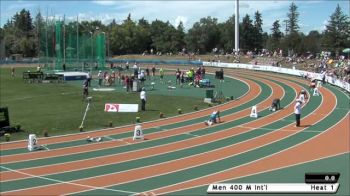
<point>59,109</point>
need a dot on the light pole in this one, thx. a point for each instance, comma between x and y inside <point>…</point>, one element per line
<point>237,27</point>
<point>92,49</point>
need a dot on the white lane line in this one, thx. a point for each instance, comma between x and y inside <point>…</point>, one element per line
<point>110,138</point>
<point>63,182</point>
<point>45,147</point>
<point>286,130</point>
<point>121,140</point>
<point>192,134</point>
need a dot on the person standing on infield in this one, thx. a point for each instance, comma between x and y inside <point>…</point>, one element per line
<point>297,112</point>
<point>143,99</point>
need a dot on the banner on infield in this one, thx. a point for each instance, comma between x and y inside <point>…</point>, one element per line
<point>115,107</point>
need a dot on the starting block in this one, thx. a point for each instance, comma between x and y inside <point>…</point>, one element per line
<point>254,112</point>
<point>208,122</point>
<point>138,133</point>
<point>302,98</point>
<point>319,84</point>
<point>316,92</point>
<point>32,142</point>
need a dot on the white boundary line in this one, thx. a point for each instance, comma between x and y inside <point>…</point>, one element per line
<point>164,144</point>
<point>118,134</point>
<point>131,125</point>
<point>163,163</point>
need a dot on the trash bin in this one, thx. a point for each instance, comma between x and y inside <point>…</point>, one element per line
<point>209,93</point>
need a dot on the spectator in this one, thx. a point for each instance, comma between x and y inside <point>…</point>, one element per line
<point>203,72</point>
<point>85,89</point>
<point>143,99</point>
<point>13,72</point>
<point>147,73</point>
<point>89,77</point>
<point>154,70</point>
<point>161,73</point>
<point>178,75</point>
<point>100,78</point>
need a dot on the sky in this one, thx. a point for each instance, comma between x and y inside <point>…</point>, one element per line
<point>314,15</point>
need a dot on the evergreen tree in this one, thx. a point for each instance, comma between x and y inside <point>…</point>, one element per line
<point>227,33</point>
<point>247,35</point>
<point>275,38</point>
<point>258,32</point>
<point>337,33</point>
<point>293,20</point>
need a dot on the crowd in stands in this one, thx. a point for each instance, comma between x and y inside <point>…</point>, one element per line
<point>323,62</point>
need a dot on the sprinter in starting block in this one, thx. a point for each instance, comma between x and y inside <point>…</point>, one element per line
<point>276,105</point>
<point>214,118</point>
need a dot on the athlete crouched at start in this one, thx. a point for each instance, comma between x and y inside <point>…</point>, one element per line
<point>214,118</point>
<point>276,105</point>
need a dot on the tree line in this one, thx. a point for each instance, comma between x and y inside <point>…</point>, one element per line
<point>21,35</point>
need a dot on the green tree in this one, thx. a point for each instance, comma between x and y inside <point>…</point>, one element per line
<point>293,20</point>
<point>258,32</point>
<point>293,40</point>
<point>312,42</point>
<point>337,33</point>
<point>275,38</point>
<point>19,35</point>
<point>204,35</point>
<point>227,33</point>
<point>39,26</point>
<point>247,35</point>
<point>180,36</point>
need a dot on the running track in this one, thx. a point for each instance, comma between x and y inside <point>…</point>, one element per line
<point>181,153</point>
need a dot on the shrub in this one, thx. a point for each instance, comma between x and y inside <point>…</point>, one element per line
<point>195,107</point>
<point>110,124</point>
<point>18,127</point>
<point>7,137</point>
<point>138,119</point>
<point>179,111</point>
<point>46,133</point>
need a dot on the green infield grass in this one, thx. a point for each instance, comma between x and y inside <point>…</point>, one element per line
<point>58,108</point>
